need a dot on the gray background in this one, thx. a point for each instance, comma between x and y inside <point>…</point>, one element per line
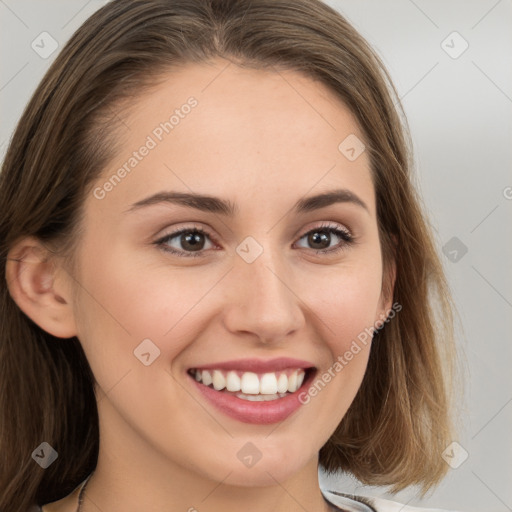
<point>459,109</point>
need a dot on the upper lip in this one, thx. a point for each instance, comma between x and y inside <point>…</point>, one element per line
<point>257,365</point>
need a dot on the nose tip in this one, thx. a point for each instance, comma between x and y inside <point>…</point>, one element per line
<point>262,302</point>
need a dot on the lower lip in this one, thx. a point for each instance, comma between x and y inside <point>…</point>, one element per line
<point>260,413</point>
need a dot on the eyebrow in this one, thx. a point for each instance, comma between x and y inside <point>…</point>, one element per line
<point>216,205</point>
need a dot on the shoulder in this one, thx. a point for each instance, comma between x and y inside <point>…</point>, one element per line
<point>352,503</point>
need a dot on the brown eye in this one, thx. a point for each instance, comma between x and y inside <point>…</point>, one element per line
<point>319,239</point>
<point>192,241</point>
<point>327,239</point>
<point>186,242</point>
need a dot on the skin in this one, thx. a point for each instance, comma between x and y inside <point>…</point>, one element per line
<point>262,140</point>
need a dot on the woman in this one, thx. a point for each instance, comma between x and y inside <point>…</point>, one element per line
<point>218,273</point>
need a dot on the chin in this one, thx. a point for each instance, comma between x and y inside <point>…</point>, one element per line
<point>276,466</point>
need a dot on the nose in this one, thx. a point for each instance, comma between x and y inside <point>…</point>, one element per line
<point>261,301</point>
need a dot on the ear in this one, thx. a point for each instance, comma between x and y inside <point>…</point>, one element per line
<point>40,287</point>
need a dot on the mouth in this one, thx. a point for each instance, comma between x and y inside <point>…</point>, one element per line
<point>253,386</point>
<point>255,391</point>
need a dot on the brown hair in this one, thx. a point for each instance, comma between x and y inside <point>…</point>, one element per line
<point>398,425</point>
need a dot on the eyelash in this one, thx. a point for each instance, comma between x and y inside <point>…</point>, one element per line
<point>344,235</point>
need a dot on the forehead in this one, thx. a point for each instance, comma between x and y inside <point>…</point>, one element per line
<point>219,129</point>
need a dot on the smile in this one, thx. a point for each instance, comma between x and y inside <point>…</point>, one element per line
<point>257,397</point>
<point>250,385</point>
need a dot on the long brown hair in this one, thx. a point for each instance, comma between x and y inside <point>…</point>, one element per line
<point>399,423</point>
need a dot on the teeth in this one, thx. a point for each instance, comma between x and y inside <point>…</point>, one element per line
<point>250,383</point>
<point>260,398</point>
<point>300,379</point>
<point>292,382</point>
<point>206,377</point>
<point>270,385</point>
<point>219,382</point>
<point>232,382</point>
<point>282,383</point>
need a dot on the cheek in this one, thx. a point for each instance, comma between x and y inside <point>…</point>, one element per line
<point>344,309</point>
<point>346,300</point>
<point>125,302</point>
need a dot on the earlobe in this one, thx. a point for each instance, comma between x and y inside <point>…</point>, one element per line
<point>39,288</point>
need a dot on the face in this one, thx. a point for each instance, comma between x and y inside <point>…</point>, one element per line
<point>257,280</point>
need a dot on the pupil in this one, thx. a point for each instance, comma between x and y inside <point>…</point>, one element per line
<point>193,241</point>
<point>320,237</point>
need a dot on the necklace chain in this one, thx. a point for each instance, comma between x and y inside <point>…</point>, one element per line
<point>81,494</point>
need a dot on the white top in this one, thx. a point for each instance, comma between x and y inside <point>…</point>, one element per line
<point>351,503</point>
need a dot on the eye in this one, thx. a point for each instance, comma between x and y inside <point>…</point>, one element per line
<point>186,242</point>
<point>322,237</point>
<point>193,241</point>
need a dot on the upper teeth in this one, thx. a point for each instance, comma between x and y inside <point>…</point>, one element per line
<point>252,383</point>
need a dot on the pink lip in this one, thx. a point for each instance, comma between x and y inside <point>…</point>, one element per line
<point>261,413</point>
<point>257,365</point>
